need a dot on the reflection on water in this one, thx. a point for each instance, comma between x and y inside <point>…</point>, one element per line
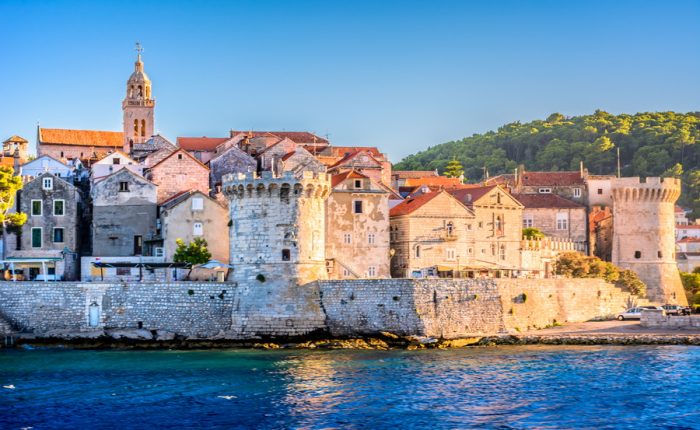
<point>509,387</point>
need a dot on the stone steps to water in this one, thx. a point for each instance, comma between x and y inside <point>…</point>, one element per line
<point>5,327</point>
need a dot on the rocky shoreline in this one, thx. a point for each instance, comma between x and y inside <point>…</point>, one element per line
<point>144,339</point>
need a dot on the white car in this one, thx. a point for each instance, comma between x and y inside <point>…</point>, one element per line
<point>635,313</point>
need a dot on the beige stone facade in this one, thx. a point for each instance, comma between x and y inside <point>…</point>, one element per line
<point>177,173</point>
<point>357,228</point>
<point>429,234</point>
<point>195,215</point>
<point>556,217</point>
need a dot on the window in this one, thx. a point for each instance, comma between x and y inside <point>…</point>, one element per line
<point>418,251</point>
<point>143,128</point>
<point>346,273</point>
<point>481,224</point>
<point>357,206</point>
<point>47,184</point>
<point>116,160</point>
<point>545,191</point>
<point>450,228</point>
<point>660,254</point>
<point>600,191</point>
<point>527,221</point>
<point>347,238</point>
<point>503,252</point>
<point>637,254</point>
<point>493,249</point>
<point>358,183</point>
<point>577,192</point>
<point>138,245</point>
<point>36,207</point>
<point>286,255</point>
<point>179,156</point>
<point>197,229</point>
<point>158,251</point>
<point>197,204</point>
<point>562,221</point>
<point>57,235</point>
<point>450,253</point>
<point>58,207</point>
<point>499,225</point>
<point>469,226</point>
<point>470,251</point>
<point>371,271</point>
<point>36,237</point>
<point>123,187</point>
<point>371,239</point>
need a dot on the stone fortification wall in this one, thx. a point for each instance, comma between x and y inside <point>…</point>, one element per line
<point>653,318</point>
<point>422,307</point>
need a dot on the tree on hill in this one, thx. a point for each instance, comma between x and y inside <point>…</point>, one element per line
<point>650,144</point>
<point>454,169</point>
<point>195,252</point>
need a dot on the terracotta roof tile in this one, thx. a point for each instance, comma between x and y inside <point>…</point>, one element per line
<point>412,204</point>
<point>468,196</point>
<point>343,151</point>
<point>200,143</point>
<point>539,201</point>
<point>434,181</point>
<point>689,240</point>
<point>15,138</point>
<point>688,227</point>
<point>58,136</point>
<point>295,136</point>
<point>413,174</point>
<point>552,179</point>
<point>350,174</point>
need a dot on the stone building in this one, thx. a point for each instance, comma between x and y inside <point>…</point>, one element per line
<point>497,227</point>
<point>599,190</point>
<point>14,152</point>
<point>643,240</point>
<point>138,107</point>
<point>568,184</point>
<point>201,148</point>
<point>46,164</point>
<point>123,214</point>
<point>357,227</point>
<point>555,216</point>
<point>366,160</point>
<point>600,227</point>
<point>192,215</point>
<point>112,163</point>
<point>277,229</point>
<point>85,145</point>
<point>231,161</point>
<point>432,235</point>
<point>178,172</point>
<point>52,206</point>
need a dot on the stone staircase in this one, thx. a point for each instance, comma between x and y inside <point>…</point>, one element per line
<point>5,327</point>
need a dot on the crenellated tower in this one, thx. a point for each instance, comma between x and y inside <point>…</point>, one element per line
<point>277,227</point>
<point>138,106</point>
<point>644,234</point>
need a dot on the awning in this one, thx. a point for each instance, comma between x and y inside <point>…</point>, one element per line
<point>213,264</point>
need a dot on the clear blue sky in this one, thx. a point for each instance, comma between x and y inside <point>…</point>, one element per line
<point>398,75</point>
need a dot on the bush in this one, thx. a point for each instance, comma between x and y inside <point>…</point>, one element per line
<point>532,233</point>
<point>576,265</point>
<point>260,277</point>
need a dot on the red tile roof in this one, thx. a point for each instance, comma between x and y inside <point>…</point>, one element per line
<point>200,143</point>
<point>15,138</point>
<point>469,195</point>
<point>344,151</point>
<point>412,204</point>
<point>57,136</point>
<point>352,155</point>
<point>350,174</point>
<point>539,201</point>
<point>295,136</point>
<point>433,181</point>
<point>689,240</point>
<point>551,179</point>
<point>687,227</point>
<point>413,174</point>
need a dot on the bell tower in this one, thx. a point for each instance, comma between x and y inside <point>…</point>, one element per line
<point>138,106</point>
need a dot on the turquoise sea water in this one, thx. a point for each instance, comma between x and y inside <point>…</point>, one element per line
<point>505,387</point>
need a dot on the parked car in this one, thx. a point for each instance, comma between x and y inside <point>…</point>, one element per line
<point>635,313</point>
<point>676,310</point>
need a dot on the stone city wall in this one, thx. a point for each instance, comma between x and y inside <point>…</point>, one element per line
<point>422,307</point>
<point>654,318</point>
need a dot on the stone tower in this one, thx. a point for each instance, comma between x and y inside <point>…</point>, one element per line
<point>138,106</point>
<point>277,227</point>
<point>644,234</point>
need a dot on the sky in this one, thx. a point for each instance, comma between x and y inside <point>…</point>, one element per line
<point>401,76</point>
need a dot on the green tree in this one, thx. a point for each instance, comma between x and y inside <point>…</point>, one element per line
<point>454,169</point>
<point>576,265</point>
<point>532,233</point>
<point>195,252</point>
<point>675,171</point>
<point>9,185</point>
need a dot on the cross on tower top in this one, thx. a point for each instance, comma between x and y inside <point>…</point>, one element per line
<point>139,48</point>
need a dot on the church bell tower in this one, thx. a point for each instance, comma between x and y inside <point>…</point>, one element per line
<point>138,106</point>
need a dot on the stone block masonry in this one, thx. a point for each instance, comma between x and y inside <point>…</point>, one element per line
<point>440,308</point>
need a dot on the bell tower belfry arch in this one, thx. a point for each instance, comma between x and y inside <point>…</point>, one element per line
<point>138,106</point>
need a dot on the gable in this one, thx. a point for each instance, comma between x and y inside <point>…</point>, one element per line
<point>497,197</point>
<point>179,157</point>
<point>444,205</point>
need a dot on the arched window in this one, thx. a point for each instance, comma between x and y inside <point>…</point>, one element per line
<point>136,127</point>
<point>143,127</point>
<point>503,252</point>
<point>140,91</point>
<point>417,251</point>
<point>450,228</point>
<point>499,225</point>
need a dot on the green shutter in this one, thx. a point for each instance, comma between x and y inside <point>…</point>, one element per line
<point>36,238</point>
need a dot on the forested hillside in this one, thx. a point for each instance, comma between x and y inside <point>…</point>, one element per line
<point>651,144</point>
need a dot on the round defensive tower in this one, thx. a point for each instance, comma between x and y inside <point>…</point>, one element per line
<point>277,227</point>
<point>644,234</point>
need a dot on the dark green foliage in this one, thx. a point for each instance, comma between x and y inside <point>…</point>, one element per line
<point>651,144</point>
<point>575,265</point>
<point>260,277</point>
<point>532,233</point>
<point>691,284</point>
